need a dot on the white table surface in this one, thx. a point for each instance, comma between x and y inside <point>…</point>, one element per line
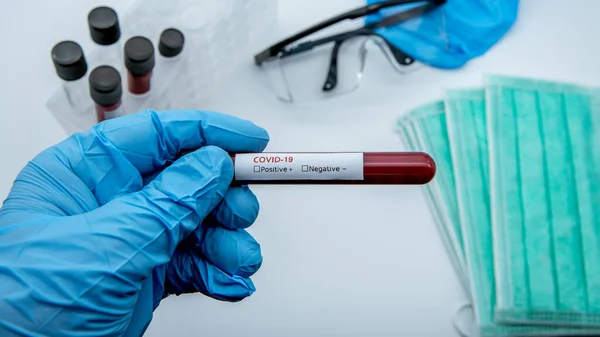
<point>338,261</point>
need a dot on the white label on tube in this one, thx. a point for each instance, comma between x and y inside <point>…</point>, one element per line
<point>299,166</point>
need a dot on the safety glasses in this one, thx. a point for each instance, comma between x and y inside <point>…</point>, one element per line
<point>305,70</point>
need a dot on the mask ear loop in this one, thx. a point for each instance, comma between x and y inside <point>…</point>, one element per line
<point>461,309</point>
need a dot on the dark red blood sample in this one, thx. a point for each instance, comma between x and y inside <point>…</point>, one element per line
<point>411,168</point>
<point>138,84</point>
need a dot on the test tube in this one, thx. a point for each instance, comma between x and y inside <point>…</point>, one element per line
<point>71,66</point>
<point>349,168</point>
<point>105,31</point>
<point>106,92</point>
<point>170,46</point>
<point>139,61</point>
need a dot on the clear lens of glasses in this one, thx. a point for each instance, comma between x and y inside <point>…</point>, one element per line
<point>326,71</point>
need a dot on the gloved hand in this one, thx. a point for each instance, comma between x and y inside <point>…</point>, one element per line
<point>99,228</point>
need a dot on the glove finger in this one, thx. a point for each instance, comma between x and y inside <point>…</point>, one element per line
<point>190,273</point>
<point>112,157</point>
<point>142,230</point>
<point>233,251</point>
<point>238,209</point>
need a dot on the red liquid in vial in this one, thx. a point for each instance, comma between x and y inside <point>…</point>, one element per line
<point>138,85</point>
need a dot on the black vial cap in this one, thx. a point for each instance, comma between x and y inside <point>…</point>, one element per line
<point>104,26</point>
<point>105,85</point>
<point>171,42</point>
<point>139,56</point>
<point>69,60</point>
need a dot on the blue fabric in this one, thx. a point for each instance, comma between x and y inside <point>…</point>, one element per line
<point>99,228</point>
<point>451,35</point>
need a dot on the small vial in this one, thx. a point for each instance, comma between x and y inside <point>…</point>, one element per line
<point>170,46</point>
<point>106,91</point>
<point>139,61</point>
<point>105,31</point>
<point>71,66</point>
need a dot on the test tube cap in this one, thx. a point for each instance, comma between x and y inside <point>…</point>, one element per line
<point>139,56</point>
<point>69,60</point>
<point>171,42</point>
<point>105,85</point>
<point>104,26</point>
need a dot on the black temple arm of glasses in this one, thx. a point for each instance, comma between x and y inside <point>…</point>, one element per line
<point>400,56</point>
<point>353,14</point>
<point>308,45</point>
<point>367,30</point>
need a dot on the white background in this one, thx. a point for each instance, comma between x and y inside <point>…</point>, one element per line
<point>338,261</point>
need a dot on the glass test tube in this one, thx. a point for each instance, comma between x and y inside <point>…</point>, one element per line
<point>71,66</point>
<point>106,91</point>
<point>170,46</point>
<point>105,31</point>
<point>139,61</point>
<point>350,168</point>
<point>330,168</point>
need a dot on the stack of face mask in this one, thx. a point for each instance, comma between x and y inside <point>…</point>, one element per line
<point>517,200</point>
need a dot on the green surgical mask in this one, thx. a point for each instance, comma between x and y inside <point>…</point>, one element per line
<point>424,129</point>
<point>467,130</point>
<point>545,197</point>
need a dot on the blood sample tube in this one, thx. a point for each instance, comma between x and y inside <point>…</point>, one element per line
<point>106,91</point>
<point>139,61</point>
<point>71,66</point>
<point>354,168</point>
<point>170,46</point>
<point>105,31</point>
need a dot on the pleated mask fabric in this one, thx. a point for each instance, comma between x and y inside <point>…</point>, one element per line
<point>467,130</point>
<point>424,129</point>
<point>545,201</point>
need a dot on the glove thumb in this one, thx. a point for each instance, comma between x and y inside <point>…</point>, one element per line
<point>141,230</point>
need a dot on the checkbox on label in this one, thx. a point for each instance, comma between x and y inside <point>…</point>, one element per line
<point>304,168</point>
<point>256,168</point>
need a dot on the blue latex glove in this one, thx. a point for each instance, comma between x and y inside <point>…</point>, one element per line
<point>99,228</point>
